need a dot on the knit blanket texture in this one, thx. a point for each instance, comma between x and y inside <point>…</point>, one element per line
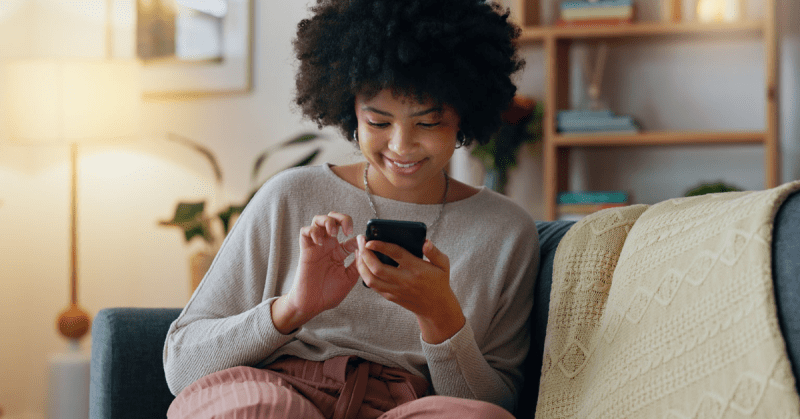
<point>667,311</point>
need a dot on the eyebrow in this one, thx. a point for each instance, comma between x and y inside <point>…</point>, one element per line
<point>420,113</point>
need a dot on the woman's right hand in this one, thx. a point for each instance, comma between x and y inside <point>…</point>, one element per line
<point>322,280</point>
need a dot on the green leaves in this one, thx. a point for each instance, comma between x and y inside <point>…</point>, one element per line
<point>502,149</point>
<point>200,149</point>
<point>299,139</point>
<point>707,188</point>
<point>191,217</point>
<point>227,215</point>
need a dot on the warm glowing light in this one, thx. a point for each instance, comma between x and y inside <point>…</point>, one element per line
<point>90,10</point>
<point>719,10</point>
<point>9,7</point>
<point>67,101</point>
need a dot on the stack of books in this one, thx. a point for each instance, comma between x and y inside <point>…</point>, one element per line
<point>572,206</point>
<point>597,12</point>
<point>605,121</point>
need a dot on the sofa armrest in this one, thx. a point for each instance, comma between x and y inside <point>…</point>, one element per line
<point>127,375</point>
<point>786,277</point>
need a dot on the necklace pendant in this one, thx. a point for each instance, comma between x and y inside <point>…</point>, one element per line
<point>441,207</point>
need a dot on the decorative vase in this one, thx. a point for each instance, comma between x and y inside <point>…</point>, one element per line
<point>671,11</point>
<point>199,264</point>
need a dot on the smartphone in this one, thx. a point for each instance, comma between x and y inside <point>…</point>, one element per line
<point>409,235</point>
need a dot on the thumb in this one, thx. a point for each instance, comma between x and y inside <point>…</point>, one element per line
<point>435,255</point>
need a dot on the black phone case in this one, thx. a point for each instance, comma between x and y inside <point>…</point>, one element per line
<point>409,235</point>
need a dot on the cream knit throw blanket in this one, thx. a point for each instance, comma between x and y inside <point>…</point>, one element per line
<point>668,312</point>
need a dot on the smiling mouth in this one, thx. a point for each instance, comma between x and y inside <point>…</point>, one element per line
<point>404,165</point>
<point>407,167</point>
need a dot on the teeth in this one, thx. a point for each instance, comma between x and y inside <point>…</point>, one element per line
<point>404,166</point>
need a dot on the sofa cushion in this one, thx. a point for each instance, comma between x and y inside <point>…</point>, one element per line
<point>127,372</point>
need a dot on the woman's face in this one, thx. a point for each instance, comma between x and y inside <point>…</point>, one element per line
<point>407,144</point>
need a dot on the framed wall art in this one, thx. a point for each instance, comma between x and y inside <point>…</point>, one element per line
<point>194,47</point>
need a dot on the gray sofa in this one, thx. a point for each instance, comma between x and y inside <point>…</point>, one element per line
<point>127,377</point>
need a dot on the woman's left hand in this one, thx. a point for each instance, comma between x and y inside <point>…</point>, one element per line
<point>420,286</point>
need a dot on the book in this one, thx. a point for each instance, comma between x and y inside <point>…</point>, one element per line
<point>621,12</point>
<point>599,128</point>
<point>592,197</point>
<point>582,121</point>
<point>582,23</point>
<point>596,121</point>
<point>601,132</point>
<point>573,4</point>
<point>621,125</point>
<point>580,114</point>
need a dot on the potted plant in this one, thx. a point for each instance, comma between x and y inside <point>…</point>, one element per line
<point>194,220</point>
<point>711,187</point>
<point>522,123</point>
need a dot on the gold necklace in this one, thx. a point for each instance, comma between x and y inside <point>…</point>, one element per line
<point>441,208</point>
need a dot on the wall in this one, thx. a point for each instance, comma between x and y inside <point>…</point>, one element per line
<point>127,260</point>
<point>703,84</point>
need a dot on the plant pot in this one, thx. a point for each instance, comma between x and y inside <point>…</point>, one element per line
<point>198,266</point>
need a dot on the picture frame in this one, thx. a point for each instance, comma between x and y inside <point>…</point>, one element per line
<point>231,73</point>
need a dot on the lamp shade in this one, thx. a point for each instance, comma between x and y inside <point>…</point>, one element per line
<point>47,101</point>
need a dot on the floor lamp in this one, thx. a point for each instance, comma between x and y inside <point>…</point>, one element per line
<point>69,102</point>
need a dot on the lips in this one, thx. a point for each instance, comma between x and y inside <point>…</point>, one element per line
<point>406,167</point>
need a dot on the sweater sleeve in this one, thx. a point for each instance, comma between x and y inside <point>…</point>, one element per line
<point>228,320</point>
<point>490,370</point>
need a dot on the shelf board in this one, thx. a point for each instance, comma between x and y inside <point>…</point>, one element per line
<point>649,29</point>
<point>660,138</point>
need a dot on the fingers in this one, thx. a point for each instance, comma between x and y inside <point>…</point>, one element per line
<point>334,220</point>
<point>351,244</point>
<point>325,226</point>
<point>367,263</point>
<point>389,249</point>
<point>435,256</point>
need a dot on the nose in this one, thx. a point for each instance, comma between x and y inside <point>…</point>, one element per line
<point>402,142</point>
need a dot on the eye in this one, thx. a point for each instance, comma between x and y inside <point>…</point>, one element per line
<point>378,124</point>
<point>424,125</point>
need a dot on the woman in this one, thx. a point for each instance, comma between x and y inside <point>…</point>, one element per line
<point>279,327</point>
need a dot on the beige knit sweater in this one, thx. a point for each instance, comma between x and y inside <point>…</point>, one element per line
<point>493,249</point>
<point>668,312</point>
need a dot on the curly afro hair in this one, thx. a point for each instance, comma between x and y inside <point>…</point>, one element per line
<point>455,52</point>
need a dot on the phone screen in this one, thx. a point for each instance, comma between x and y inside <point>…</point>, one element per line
<point>409,235</point>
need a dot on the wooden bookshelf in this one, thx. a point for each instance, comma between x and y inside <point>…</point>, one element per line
<point>645,29</point>
<point>660,138</point>
<point>557,40</point>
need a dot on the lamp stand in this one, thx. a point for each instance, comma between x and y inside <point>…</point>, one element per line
<point>69,371</point>
<point>73,322</point>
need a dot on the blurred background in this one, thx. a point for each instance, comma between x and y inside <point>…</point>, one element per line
<point>189,110</point>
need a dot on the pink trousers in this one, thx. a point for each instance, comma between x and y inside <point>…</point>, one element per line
<point>339,388</point>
